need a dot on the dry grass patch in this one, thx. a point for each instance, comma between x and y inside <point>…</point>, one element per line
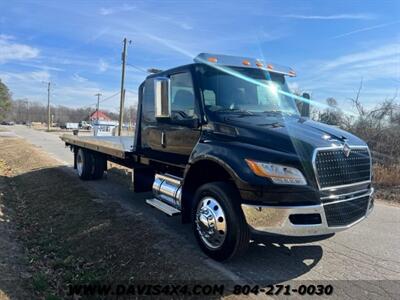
<point>387,183</point>
<point>387,176</point>
<point>70,238</point>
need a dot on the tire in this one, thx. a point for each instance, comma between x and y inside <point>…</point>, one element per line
<point>84,164</point>
<point>99,163</point>
<point>218,204</point>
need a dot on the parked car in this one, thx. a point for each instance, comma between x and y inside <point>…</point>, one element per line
<point>85,125</point>
<point>8,123</point>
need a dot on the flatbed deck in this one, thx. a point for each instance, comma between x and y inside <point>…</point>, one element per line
<point>117,146</point>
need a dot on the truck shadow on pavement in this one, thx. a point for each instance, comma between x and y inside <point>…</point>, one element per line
<point>268,263</point>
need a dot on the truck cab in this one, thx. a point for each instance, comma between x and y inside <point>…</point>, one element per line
<point>227,148</point>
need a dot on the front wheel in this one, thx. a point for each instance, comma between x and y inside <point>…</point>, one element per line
<point>218,221</point>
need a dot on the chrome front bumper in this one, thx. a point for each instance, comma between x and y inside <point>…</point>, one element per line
<point>275,219</point>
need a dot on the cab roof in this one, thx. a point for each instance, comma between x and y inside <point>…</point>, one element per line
<point>232,61</point>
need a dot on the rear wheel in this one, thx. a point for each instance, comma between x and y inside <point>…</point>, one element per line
<point>84,164</point>
<point>218,221</point>
<point>99,166</point>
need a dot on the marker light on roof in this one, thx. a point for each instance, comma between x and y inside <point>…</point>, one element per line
<point>246,62</point>
<point>212,59</point>
<point>292,73</point>
<point>259,64</point>
<point>271,67</point>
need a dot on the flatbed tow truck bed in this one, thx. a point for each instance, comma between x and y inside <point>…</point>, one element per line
<point>117,146</point>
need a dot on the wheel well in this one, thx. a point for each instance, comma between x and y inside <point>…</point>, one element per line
<point>200,173</point>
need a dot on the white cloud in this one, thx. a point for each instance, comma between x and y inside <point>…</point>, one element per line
<point>39,65</point>
<point>378,67</point>
<point>365,29</point>
<point>6,37</point>
<point>385,51</point>
<point>10,50</point>
<point>106,11</point>
<point>110,11</point>
<point>186,26</point>
<point>40,76</point>
<point>76,77</point>
<point>332,17</point>
<point>26,77</point>
<point>103,66</point>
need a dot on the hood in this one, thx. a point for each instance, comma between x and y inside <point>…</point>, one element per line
<point>289,134</point>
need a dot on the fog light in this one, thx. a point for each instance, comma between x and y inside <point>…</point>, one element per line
<point>305,219</point>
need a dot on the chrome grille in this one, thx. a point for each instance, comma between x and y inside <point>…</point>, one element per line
<point>347,212</point>
<point>333,168</point>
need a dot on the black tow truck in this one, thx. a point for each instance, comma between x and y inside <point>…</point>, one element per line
<point>222,143</point>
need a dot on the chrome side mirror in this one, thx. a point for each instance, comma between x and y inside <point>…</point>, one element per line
<point>162,100</point>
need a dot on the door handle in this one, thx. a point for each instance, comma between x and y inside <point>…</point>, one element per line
<point>163,139</point>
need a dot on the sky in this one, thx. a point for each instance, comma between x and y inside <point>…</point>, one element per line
<point>76,45</point>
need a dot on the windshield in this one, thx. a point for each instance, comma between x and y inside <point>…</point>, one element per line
<point>245,90</point>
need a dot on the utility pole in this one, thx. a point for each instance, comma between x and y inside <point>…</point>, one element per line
<point>121,105</point>
<point>48,106</point>
<point>97,107</point>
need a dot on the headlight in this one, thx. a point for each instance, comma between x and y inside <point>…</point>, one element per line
<point>279,174</point>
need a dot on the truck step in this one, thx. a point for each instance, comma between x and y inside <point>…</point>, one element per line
<point>165,208</point>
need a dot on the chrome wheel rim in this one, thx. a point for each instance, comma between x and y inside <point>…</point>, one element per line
<point>79,164</point>
<point>211,222</point>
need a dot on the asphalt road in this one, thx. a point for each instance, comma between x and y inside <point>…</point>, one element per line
<point>368,254</point>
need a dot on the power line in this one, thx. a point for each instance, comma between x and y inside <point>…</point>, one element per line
<point>137,68</point>
<point>108,98</point>
<point>105,99</point>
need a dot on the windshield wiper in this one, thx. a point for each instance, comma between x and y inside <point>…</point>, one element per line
<point>236,110</point>
<point>278,112</point>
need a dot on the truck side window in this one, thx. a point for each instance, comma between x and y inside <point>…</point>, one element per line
<point>182,96</point>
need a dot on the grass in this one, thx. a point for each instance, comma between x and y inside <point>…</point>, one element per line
<point>69,238</point>
<point>40,283</point>
<point>387,176</point>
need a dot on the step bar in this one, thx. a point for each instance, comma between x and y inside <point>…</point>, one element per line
<point>164,207</point>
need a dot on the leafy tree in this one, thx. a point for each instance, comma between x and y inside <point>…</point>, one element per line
<point>5,100</point>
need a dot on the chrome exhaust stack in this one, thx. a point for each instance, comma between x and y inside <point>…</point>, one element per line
<point>168,188</point>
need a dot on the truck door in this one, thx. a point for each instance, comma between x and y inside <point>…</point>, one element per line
<point>180,134</point>
<point>150,131</point>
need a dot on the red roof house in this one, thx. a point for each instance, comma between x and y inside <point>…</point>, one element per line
<point>99,115</point>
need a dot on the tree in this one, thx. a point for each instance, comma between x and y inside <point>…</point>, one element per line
<point>333,114</point>
<point>5,100</point>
